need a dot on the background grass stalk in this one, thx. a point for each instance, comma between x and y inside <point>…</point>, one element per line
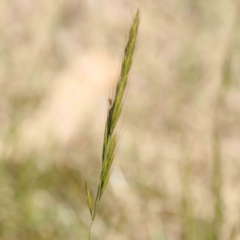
<point>114,111</point>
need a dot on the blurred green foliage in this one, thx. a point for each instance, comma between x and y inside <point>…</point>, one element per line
<point>40,203</point>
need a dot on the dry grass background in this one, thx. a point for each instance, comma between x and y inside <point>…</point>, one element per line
<point>59,61</point>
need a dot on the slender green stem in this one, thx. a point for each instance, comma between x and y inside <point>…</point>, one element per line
<point>91,230</point>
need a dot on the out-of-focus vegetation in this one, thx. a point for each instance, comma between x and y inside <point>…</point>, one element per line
<point>176,175</point>
<point>40,203</point>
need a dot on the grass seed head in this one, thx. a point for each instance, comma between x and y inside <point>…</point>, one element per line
<point>114,112</point>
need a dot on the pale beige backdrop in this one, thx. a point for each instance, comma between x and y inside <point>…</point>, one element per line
<point>59,62</point>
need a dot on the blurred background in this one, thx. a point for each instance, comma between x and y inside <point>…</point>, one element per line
<point>176,173</point>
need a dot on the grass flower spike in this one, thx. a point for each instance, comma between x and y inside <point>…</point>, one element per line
<point>114,112</point>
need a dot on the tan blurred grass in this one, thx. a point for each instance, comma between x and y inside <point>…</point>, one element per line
<point>57,62</point>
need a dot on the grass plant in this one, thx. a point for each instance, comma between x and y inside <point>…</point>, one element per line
<point>114,112</point>
<point>189,65</point>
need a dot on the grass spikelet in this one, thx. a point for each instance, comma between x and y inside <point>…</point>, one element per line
<point>114,112</point>
<point>89,198</point>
